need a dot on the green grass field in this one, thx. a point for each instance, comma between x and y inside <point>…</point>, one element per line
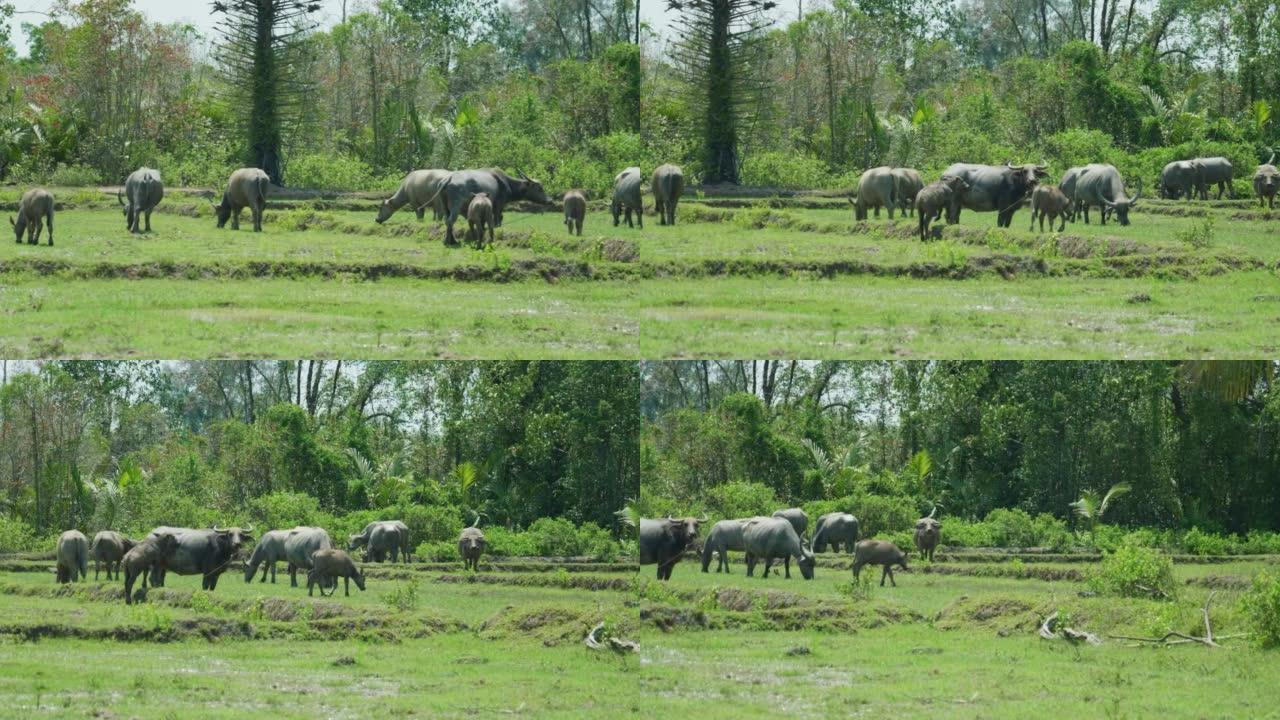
<point>961,645</point>
<point>782,277</point>
<point>502,643</point>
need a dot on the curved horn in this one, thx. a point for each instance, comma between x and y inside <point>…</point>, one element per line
<point>704,518</point>
<point>671,518</point>
<point>476,523</point>
<point>247,529</point>
<point>1272,159</point>
<point>934,510</point>
<point>216,528</point>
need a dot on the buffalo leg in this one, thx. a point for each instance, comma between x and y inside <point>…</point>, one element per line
<point>148,221</point>
<point>346,587</point>
<point>257,218</point>
<point>95,571</point>
<point>883,574</point>
<point>786,566</point>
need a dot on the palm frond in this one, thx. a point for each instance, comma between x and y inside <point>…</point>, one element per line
<point>1116,491</point>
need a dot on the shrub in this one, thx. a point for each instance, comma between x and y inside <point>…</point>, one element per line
<point>790,170</point>
<point>1260,542</point>
<point>438,551</point>
<point>502,542</point>
<point>403,597</point>
<point>1198,235</point>
<point>431,522</point>
<point>74,175</point>
<point>281,510</point>
<point>965,533</point>
<point>741,499</point>
<point>16,536</point>
<point>596,543</point>
<point>878,514</point>
<point>554,537</point>
<point>1198,542</point>
<point>1011,527</point>
<point>1261,607</point>
<point>1133,571</point>
<point>332,171</point>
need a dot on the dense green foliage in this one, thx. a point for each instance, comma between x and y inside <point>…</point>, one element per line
<point>1134,571</point>
<point>851,85</point>
<point>1262,606</point>
<point>398,85</point>
<point>129,446</point>
<point>1012,443</point>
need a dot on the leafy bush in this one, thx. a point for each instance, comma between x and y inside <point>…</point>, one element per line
<point>1261,607</point>
<point>1133,571</point>
<point>437,551</point>
<point>879,514</point>
<point>1198,235</point>
<point>741,499</point>
<point>1196,542</point>
<point>403,597</point>
<point>1260,542</point>
<point>964,533</point>
<point>502,542</point>
<point>334,171</point>
<point>1011,527</point>
<point>16,536</point>
<point>74,176</point>
<point>281,510</point>
<point>789,170</point>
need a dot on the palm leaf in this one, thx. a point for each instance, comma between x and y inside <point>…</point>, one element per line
<point>820,457</point>
<point>1116,491</point>
<point>1226,380</point>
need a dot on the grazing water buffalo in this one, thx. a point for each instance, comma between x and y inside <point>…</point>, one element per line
<point>479,217</point>
<point>419,190</point>
<point>201,552</point>
<point>471,545</point>
<point>1216,171</point>
<point>934,198</point>
<point>329,565</point>
<point>299,547</point>
<point>725,535</point>
<point>999,188</point>
<point>501,188</point>
<point>796,517</point>
<point>668,186</point>
<point>575,210</point>
<point>34,210</point>
<point>835,528</point>
<point>928,533</point>
<point>772,538</point>
<point>1049,201</point>
<point>1181,178</point>
<point>148,556</point>
<point>879,552</point>
<point>382,538</point>
<point>143,191</point>
<point>1101,185</point>
<point>1265,182</point>
<point>626,196</point>
<point>909,184</point>
<point>109,547</point>
<point>247,188</point>
<point>73,556</point>
<point>877,187</point>
<point>268,551</point>
<point>662,542</point>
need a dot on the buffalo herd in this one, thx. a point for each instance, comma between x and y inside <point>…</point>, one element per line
<point>778,537</point>
<point>209,552</point>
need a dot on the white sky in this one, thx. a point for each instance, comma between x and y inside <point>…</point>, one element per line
<point>197,13</point>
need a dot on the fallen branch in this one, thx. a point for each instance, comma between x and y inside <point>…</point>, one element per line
<point>592,640</point>
<point>1209,639</point>
<point>1071,635</point>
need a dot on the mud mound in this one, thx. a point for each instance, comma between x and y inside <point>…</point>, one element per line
<point>668,619</point>
<point>1005,615</point>
<point>1005,571</point>
<point>203,627</point>
<point>739,600</point>
<point>552,625</point>
<point>1221,582</point>
<point>579,582</point>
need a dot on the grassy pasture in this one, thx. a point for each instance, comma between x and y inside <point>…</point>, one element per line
<point>960,645</point>
<point>494,644</point>
<point>760,277</point>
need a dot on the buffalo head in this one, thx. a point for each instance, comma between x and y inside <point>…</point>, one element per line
<point>236,536</point>
<point>684,530</point>
<point>385,211</point>
<point>1122,206</point>
<point>222,212</point>
<point>533,190</point>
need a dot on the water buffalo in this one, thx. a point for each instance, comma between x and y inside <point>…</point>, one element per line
<point>419,190</point>
<point>772,538</point>
<point>206,553</point>
<point>1181,178</point>
<point>471,544</point>
<point>725,535</point>
<point>877,187</point>
<point>1265,182</point>
<point>1216,171</point>
<point>662,542</point>
<point>626,197</point>
<point>73,556</point>
<point>798,519</point>
<point>1101,186</point>
<point>575,210</point>
<point>247,188</point>
<point>999,188</point>
<point>833,529</point>
<point>149,556</point>
<point>143,191</point>
<point>34,210</point>
<point>300,545</point>
<point>268,551</point>
<point>329,565</point>
<point>479,217</point>
<point>928,533</point>
<point>879,552</point>
<point>109,547</point>
<point>668,186</point>
<point>1051,202</point>
<point>934,198</point>
<point>909,184</point>
<point>382,538</point>
<point>501,188</point>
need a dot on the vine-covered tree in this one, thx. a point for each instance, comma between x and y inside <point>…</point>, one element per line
<point>720,52</point>
<point>261,56</point>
